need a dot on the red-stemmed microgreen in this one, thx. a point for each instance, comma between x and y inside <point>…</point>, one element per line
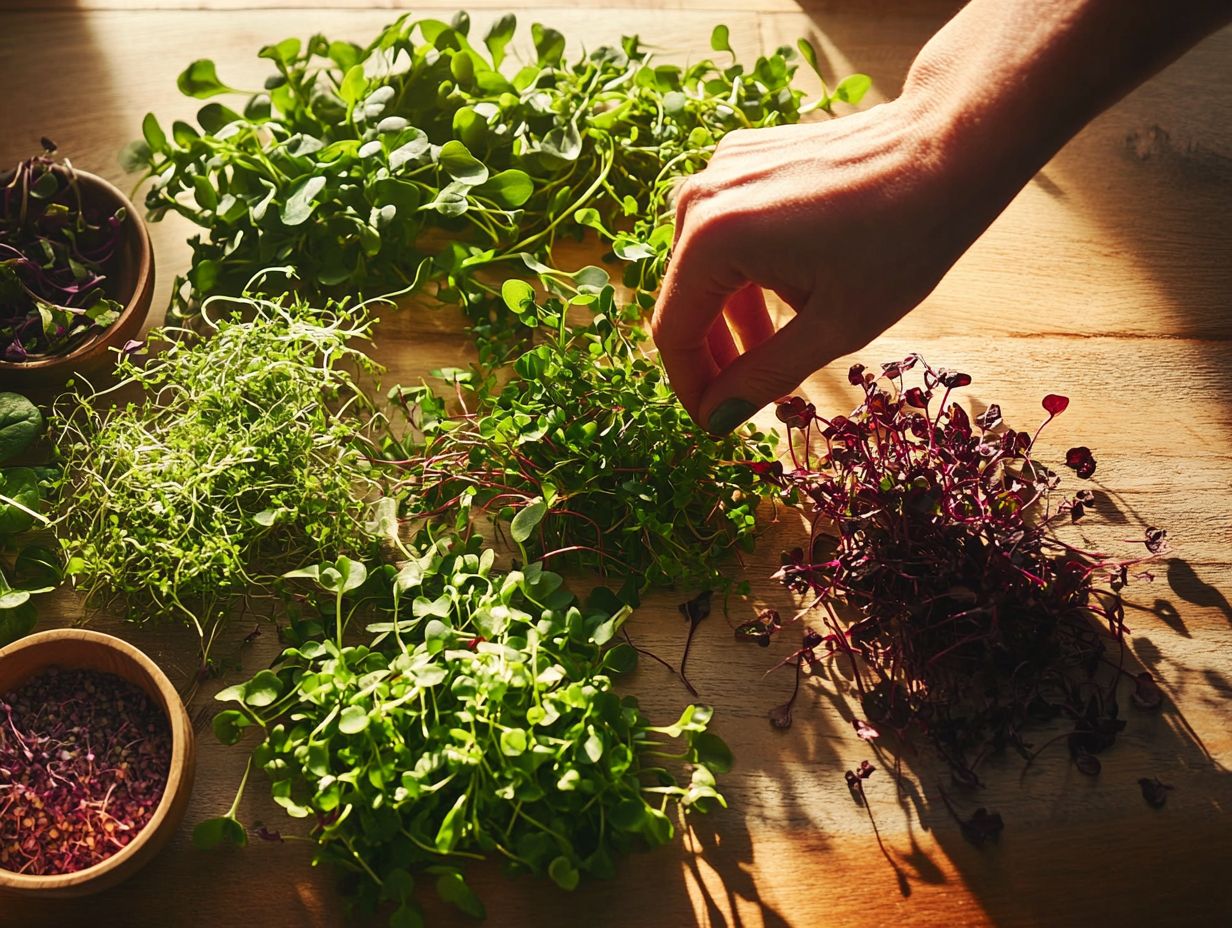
<point>965,618</point>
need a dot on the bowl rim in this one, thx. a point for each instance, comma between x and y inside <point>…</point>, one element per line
<point>145,260</point>
<point>177,720</point>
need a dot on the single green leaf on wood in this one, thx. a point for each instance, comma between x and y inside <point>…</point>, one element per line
<point>219,832</point>
<point>720,39</point>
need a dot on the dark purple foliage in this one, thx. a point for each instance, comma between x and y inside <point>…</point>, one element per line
<point>965,620</point>
<point>55,251</point>
<point>1081,461</point>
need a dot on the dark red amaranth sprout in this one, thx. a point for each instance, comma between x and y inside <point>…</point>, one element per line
<point>965,619</point>
<point>84,758</point>
<point>55,252</point>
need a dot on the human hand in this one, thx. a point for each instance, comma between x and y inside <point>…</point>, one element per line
<point>850,222</point>
<point>853,222</point>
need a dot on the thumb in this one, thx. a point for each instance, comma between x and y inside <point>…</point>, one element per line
<point>772,369</point>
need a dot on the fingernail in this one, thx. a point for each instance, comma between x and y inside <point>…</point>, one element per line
<point>729,414</point>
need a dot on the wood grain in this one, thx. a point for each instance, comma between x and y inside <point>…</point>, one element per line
<point>1107,280</point>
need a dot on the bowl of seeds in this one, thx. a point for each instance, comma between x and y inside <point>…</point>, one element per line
<point>96,762</point>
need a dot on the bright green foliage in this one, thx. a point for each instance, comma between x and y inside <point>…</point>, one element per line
<point>478,721</point>
<point>245,454</point>
<point>356,162</point>
<point>25,569</point>
<point>581,448</point>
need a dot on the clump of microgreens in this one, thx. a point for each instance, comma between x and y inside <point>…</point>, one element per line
<point>85,757</point>
<point>580,449</point>
<point>56,250</point>
<point>246,453</point>
<point>27,568</point>
<point>936,574</point>
<point>417,156</point>
<point>477,719</point>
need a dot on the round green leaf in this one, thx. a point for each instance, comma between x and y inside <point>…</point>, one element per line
<point>263,689</point>
<point>526,520</point>
<point>353,720</point>
<point>20,424</point>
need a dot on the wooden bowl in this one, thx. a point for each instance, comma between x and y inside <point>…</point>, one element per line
<point>130,280</point>
<point>79,649</point>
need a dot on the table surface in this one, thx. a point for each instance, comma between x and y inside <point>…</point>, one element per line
<point>1108,279</point>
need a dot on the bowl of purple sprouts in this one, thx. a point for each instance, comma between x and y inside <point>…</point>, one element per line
<point>76,271</point>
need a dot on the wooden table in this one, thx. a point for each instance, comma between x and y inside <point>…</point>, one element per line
<point>1108,279</point>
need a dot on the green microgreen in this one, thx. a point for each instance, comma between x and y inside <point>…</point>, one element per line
<point>26,569</point>
<point>362,162</point>
<point>245,454</point>
<point>478,720</point>
<point>579,447</point>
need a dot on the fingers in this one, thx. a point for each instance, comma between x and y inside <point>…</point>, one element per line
<point>748,317</point>
<point>773,368</point>
<point>698,282</point>
<point>721,344</point>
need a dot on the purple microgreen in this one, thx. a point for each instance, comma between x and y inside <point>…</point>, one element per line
<point>695,610</point>
<point>84,757</point>
<point>1081,461</point>
<point>1087,764</point>
<point>966,619</point>
<point>761,629</point>
<point>1156,540</point>
<point>865,731</point>
<point>57,249</point>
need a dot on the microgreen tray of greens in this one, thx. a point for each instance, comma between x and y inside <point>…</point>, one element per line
<point>55,254</point>
<point>424,154</point>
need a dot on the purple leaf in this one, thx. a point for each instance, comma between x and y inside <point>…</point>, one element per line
<point>1055,404</point>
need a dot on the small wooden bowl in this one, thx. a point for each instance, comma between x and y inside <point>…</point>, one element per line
<point>130,280</point>
<point>79,649</point>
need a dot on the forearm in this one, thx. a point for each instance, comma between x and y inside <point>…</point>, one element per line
<point>1010,81</point>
